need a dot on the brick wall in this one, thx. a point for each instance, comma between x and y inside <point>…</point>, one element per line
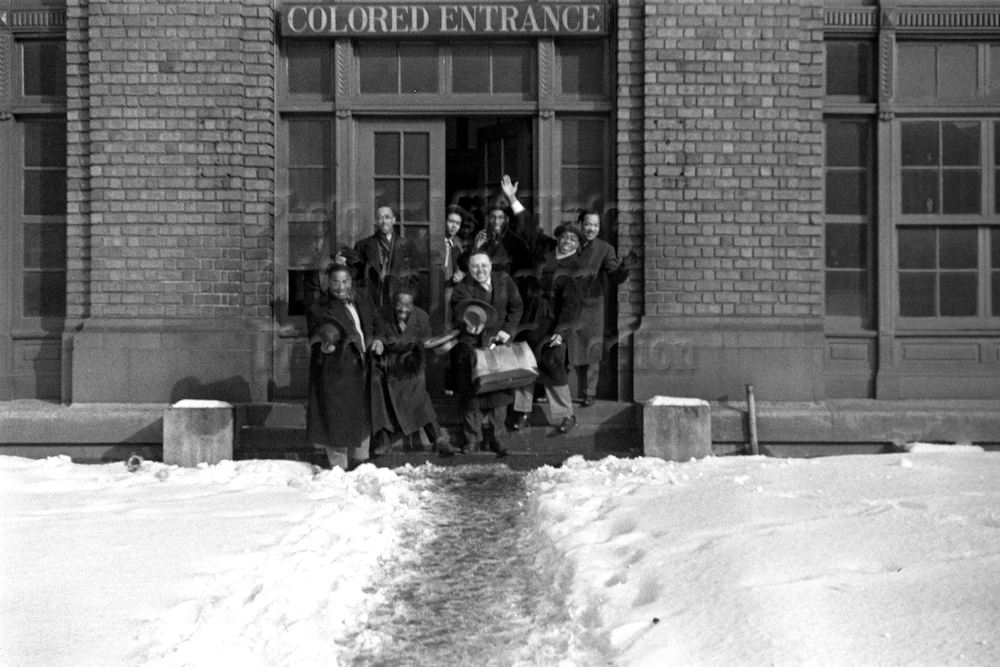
<point>170,158</point>
<point>733,158</point>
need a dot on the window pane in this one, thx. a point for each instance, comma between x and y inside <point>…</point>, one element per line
<point>379,69</point>
<point>310,170</point>
<point>959,294</point>
<point>957,68</point>
<point>470,68</point>
<point>959,248</point>
<point>416,200</point>
<point>995,287</point>
<point>846,246</point>
<point>416,153</point>
<point>309,68</point>
<point>847,293</point>
<point>847,144</point>
<point>45,246</point>
<point>582,188</point>
<point>584,69</point>
<point>582,142</point>
<point>917,69</point>
<point>917,248</point>
<point>961,191</point>
<point>44,144</point>
<point>45,192</point>
<point>917,294</point>
<point>44,69</point>
<point>309,142</point>
<point>992,87</point>
<point>309,191</point>
<point>387,193</point>
<point>960,144</point>
<point>920,191</point>
<point>920,143</point>
<point>418,68</point>
<point>848,69</point>
<point>387,153</point>
<point>513,69</point>
<point>846,192</point>
<point>44,294</point>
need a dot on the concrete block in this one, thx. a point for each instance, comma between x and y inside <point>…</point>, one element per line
<point>676,429</point>
<point>197,431</point>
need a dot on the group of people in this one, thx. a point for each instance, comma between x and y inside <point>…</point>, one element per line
<point>505,283</point>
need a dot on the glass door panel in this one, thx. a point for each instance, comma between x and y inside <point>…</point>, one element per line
<point>401,165</point>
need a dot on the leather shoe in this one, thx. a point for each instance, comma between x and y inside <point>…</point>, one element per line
<point>468,448</point>
<point>443,446</point>
<point>498,449</point>
<point>520,422</point>
<point>567,424</point>
<point>587,401</point>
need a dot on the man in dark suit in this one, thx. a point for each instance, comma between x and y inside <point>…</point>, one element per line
<point>387,260</point>
<point>342,327</point>
<point>497,290</point>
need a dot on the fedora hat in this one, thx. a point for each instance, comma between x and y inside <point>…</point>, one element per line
<point>443,343</point>
<point>475,312</point>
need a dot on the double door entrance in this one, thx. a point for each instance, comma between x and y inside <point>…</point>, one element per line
<point>418,167</point>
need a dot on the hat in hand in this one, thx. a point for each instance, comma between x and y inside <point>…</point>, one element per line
<point>476,312</point>
<point>443,343</point>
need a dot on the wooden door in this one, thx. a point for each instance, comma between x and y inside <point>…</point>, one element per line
<point>401,164</point>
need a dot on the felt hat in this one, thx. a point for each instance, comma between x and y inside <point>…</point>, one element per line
<point>443,343</point>
<point>475,312</point>
<point>350,255</point>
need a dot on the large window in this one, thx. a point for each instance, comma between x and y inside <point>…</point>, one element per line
<point>849,199</point>
<point>946,212</point>
<point>42,207</point>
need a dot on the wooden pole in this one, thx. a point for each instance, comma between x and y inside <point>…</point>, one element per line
<point>752,419</point>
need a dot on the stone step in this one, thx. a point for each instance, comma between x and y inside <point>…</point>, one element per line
<point>606,428</point>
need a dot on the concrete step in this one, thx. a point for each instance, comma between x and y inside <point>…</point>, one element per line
<point>606,428</point>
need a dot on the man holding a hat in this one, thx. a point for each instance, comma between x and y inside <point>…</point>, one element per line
<point>401,371</point>
<point>487,308</point>
<point>342,329</point>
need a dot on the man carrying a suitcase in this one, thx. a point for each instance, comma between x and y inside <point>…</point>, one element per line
<point>486,308</point>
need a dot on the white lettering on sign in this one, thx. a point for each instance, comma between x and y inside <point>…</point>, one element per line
<point>431,19</point>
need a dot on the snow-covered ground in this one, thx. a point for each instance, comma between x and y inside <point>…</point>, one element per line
<point>860,560</point>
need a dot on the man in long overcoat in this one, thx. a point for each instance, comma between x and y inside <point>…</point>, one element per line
<point>498,290</point>
<point>600,272</point>
<point>409,406</point>
<point>342,329</point>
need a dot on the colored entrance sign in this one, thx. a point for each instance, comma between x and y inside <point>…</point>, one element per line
<point>507,19</point>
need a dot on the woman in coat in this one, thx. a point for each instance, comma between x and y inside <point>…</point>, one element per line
<point>550,316</point>
<point>342,328</point>
<point>600,269</point>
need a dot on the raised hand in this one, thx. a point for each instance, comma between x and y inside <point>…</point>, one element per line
<point>509,188</point>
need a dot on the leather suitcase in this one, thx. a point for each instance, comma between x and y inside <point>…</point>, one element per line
<point>504,367</point>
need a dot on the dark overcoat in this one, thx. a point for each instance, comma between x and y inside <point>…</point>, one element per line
<point>403,372</point>
<point>600,270</point>
<point>402,269</point>
<point>506,300</point>
<point>553,308</point>
<point>338,411</point>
